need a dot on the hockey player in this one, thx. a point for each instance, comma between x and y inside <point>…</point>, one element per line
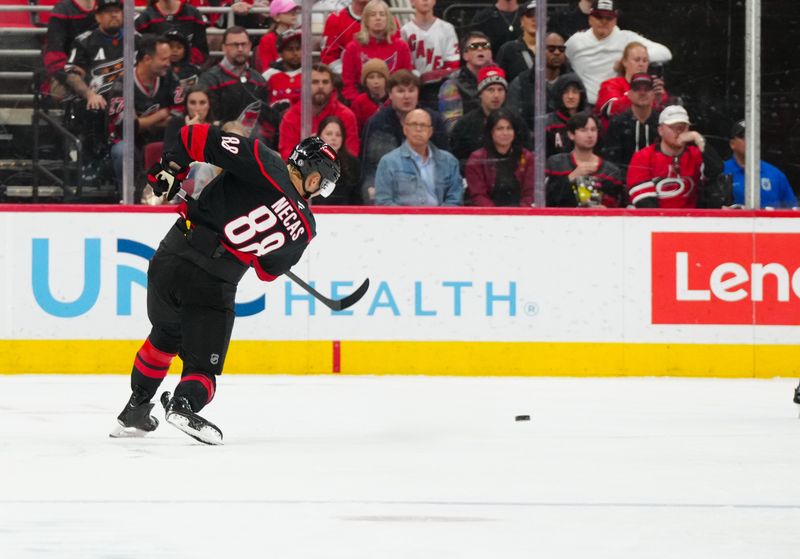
<point>256,213</point>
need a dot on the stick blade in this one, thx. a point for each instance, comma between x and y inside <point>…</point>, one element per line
<point>353,298</point>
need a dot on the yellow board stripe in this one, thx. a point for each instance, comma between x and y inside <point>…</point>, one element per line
<point>425,358</point>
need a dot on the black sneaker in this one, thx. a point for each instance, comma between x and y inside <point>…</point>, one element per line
<point>797,395</point>
<point>179,413</point>
<point>135,419</point>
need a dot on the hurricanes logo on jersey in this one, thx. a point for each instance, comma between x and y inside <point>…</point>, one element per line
<point>672,187</point>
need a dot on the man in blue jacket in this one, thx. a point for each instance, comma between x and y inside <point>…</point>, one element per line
<point>776,192</point>
<point>418,173</point>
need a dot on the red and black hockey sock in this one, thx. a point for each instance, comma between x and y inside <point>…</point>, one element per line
<point>198,388</point>
<point>150,367</point>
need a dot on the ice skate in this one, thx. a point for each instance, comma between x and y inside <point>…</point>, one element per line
<point>135,420</point>
<point>179,413</point>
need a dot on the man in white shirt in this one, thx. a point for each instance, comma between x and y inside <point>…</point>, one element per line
<point>434,49</point>
<point>593,52</point>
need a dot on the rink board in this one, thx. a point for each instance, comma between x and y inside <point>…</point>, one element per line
<point>464,292</point>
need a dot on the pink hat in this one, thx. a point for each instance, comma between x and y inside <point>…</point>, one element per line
<point>278,7</point>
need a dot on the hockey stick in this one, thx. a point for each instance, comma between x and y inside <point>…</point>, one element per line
<point>333,304</point>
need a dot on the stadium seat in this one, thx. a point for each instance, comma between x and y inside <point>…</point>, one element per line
<point>15,19</point>
<point>152,153</point>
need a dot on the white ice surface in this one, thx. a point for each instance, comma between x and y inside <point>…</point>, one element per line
<point>407,467</point>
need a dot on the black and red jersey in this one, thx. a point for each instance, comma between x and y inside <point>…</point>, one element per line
<point>188,20</point>
<point>67,21</point>
<point>252,205</point>
<point>658,180</point>
<point>604,187</point>
<point>146,101</point>
<point>98,57</point>
<point>241,98</point>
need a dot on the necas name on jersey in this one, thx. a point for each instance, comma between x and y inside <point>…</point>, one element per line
<point>285,212</point>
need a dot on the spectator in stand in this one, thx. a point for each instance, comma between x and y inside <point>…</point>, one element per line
<point>162,15</point>
<point>582,178</point>
<point>468,132</point>
<point>522,90</point>
<point>637,127</point>
<point>340,29</point>
<point>324,103</point>
<point>243,16</point>
<point>594,52</point>
<point>375,40</point>
<point>348,187</point>
<point>519,55</point>
<point>154,97</point>
<point>196,110</point>
<point>500,22</point>
<point>418,173</point>
<point>613,97</point>
<point>237,91</point>
<point>571,97</point>
<point>776,192</point>
<point>680,171</point>
<point>284,18</point>
<point>94,64</point>
<point>384,131</point>
<point>459,93</point>
<point>570,19</point>
<point>185,73</point>
<point>501,172</point>
<point>68,19</point>
<point>374,80</point>
<point>283,77</point>
<point>434,50</point>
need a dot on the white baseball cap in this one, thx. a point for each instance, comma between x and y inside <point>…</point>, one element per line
<point>673,114</point>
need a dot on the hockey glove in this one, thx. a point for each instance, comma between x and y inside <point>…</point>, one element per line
<point>165,177</point>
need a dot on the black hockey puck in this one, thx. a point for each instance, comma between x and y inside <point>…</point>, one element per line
<point>522,418</point>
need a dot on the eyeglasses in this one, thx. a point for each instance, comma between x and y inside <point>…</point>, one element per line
<point>238,45</point>
<point>556,48</point>
<point>478,46</point>
<point>418,125</point>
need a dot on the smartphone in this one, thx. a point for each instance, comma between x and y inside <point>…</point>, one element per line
<point>656,70</point>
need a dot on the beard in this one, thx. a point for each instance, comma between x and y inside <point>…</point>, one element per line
<point>320,99</point>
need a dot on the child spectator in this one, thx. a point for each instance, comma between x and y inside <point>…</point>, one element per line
<point>185,73</point>
<point>284,75</point>
<point>374,80</point>
<point>501,172</point>
<point>348,188</point>
<point>162,15</point>
<point>375,40</point>
<point>284,17</point>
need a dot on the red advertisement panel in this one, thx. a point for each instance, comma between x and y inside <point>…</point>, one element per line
<point>726,278</point>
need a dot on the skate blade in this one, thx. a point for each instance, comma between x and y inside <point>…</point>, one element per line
<point>122,432</point>
<point>205,434</point>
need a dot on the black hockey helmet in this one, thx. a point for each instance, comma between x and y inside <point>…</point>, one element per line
<point>313,154</point>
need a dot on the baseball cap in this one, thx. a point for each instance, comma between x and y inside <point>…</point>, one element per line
<point>604,6</point>
<point>641,78</point>
<point>101,5</point>
<point>288,35</point>
<point>490,75</point>
<point>737,130</point>
<point>278,7</point>
<point>174,34</point>
<point>673,114</point>
<point>529,7</point>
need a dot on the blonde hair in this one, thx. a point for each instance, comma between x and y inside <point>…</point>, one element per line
<point>619,68</point>
<point>372,6</point>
